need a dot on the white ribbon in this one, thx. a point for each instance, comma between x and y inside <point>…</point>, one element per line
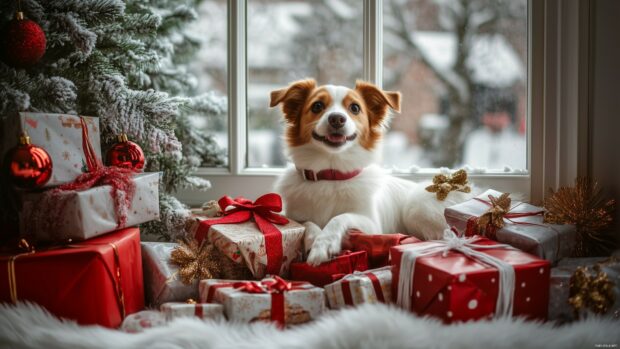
<point>467,246</point>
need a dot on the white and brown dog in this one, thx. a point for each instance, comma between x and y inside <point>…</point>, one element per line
<point>333,135</point>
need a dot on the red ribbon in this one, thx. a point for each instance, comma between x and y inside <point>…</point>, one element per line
<point>198,311</point>
<point>277,287</point>
<point>240,210</point>
<point>376,284</point>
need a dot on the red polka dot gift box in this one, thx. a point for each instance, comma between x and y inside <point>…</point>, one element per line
<point>469,278</point>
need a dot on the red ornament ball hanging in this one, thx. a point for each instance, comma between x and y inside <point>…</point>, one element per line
<point>29,166</point>
<point>23,42</point>
<point>126,154</point>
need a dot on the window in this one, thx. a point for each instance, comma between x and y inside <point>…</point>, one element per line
<point>464,68</point>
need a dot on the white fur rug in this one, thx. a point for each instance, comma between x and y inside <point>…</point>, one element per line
<point>370,326</point>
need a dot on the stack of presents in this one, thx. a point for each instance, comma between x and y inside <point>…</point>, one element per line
<point>242,261</point>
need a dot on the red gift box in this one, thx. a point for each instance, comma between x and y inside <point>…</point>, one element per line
<point>458,286</point>
<point>97,281</point>
<point>376,245</point>
<point>330,271</point>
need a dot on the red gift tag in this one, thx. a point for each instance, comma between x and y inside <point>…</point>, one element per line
<point>377,246</point>
<point>330,271</point>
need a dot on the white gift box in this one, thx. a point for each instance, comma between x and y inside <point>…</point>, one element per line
<point>300,305</point>
<point>60,135</point>
<point>89,213</point>
<point>370,286</point>
<point>174,310</point>
<point>529,234</point>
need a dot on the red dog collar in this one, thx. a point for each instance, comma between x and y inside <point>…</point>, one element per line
<point>328,175</point>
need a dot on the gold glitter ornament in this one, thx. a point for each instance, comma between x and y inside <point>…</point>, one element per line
<point>593,292</point>
<point>195,261</point>
<point>443,185</point>
<point>494,216</point>
<point>584,206</point>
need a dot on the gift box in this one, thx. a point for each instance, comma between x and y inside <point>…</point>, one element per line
<point>252,234</point>
<point>523,226</point>
<point>377,246</point>
<point>584,286</point>
<point>285,303</point>
<point>61,136</point>
<point>460,279</point>
<point>161,280</point>
<point>88,213</point>
<point>174,310</point>
<point>98,281</point>
<point>371,286</point>
<point>142,320</point>
<point>330,271</point>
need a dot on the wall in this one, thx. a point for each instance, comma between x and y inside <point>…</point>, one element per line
<point>605,98</point>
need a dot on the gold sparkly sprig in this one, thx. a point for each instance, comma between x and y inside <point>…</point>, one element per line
<point>195,261</point>
<point>592,292</point>
<point>584,206</point>
<point>443,185</point>
<point>494,217</point>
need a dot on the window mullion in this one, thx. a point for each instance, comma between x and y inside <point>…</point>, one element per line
<point>373,41</point>
<point>237,90</point>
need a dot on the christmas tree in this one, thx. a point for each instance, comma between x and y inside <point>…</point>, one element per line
<point>125,62</point>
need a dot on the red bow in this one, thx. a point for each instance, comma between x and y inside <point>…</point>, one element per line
<point>240,210</point>
<point>276,287</point>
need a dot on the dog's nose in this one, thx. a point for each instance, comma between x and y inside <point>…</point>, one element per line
<point>337,120</point>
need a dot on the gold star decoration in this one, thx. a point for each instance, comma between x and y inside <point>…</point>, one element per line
<point>493,218</point>
<point>591,291</point>
<point>584,206</point>
<point>195,261</point>
<point>443,185</point>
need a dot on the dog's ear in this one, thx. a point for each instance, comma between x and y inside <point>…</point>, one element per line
<point>293,97</point>
<point>377,100</point>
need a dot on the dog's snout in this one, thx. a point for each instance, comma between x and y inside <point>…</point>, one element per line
<point>337,120</point>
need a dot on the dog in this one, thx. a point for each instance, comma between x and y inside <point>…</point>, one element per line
<point>333,137</point>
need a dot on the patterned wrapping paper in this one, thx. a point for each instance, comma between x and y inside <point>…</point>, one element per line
<point>60,135</point>
<point>174,310</point>
<point>549,241</point>
<point>371,286</point>
<point>244,243</point>
<point>559,292</point>
<point>300,305</point>
<point>161,283</point>
<point>90,212</point>
<point>457,287</point>
<point>142,320</point>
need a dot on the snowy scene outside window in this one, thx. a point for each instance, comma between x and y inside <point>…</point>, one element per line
<point>460,64</point>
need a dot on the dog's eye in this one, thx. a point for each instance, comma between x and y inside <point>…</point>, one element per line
<point>317,107</point>
<point>355,108</point>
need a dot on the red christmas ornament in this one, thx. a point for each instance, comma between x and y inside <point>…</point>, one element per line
<point>126,154</point>
<point>23,42</point>
<point>29,166</point>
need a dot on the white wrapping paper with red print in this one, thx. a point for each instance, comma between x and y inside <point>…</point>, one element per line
<point>89,213</point>
<point>300,305</point>
<point>456,287</point>
<point>244,243</point>
<point>142,320</point>
<point>370,286</point>
<point>174,310</point>
<point>61,136</point>
<point>529,234</point>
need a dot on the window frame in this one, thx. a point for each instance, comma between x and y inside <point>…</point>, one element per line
<point>553,41</point>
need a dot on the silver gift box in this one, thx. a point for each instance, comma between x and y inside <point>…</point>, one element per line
<point>161,282</point>
<point>559,308</point>
<point>549,241</point>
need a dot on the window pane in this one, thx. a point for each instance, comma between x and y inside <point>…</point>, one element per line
<point>209,67</point>
<point>462,68</point>
<point>291,40</point>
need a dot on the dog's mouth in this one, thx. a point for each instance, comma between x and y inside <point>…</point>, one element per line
<point>334,140</point>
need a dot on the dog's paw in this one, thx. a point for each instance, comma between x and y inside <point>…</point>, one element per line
<point>311,233</point>
<point>325,246</point>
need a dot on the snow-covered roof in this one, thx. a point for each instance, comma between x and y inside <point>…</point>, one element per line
<point>492,59</point>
